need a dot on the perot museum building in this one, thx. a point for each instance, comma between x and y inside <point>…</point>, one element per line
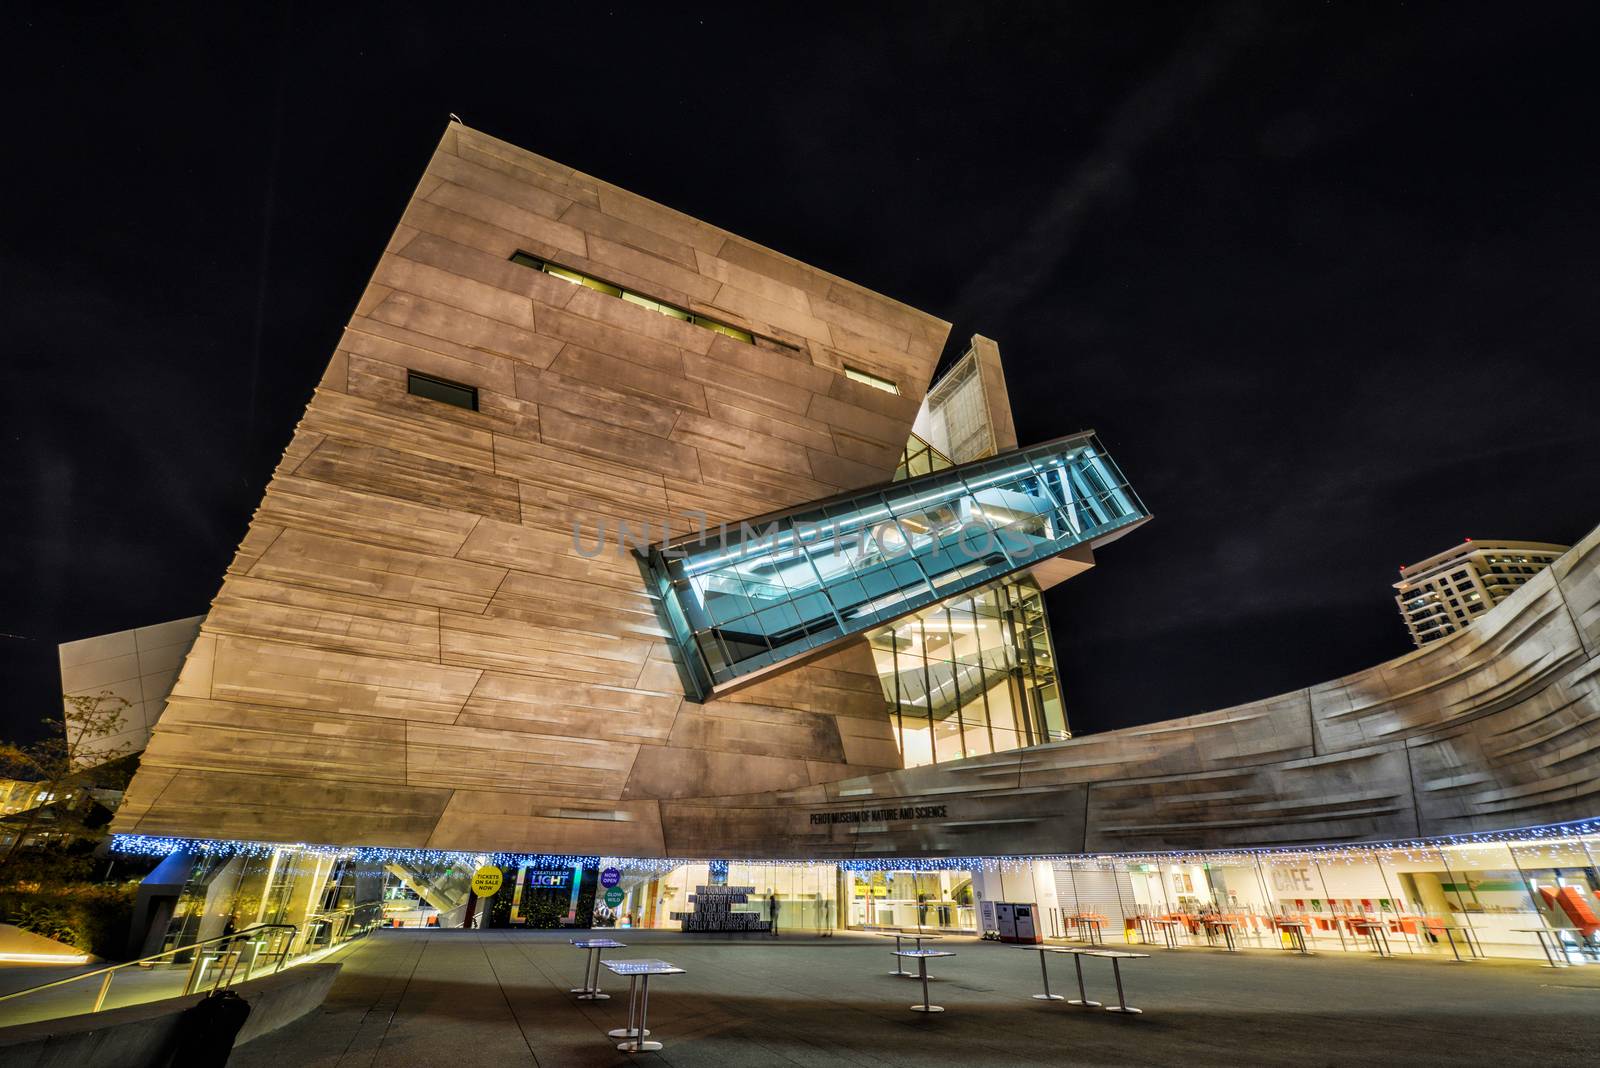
<point>611,542</point>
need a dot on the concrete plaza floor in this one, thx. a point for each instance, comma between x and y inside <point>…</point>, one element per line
<point>501,997</point>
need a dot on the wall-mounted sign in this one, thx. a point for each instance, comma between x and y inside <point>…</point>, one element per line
<point>486,881</point>
<point>610,877</point>
<point>557,880</point>
<point>879,815</point>
<point>1288,880</point>
<point>613,898</point>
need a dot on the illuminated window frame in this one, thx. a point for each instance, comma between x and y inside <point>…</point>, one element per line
<point>661,307</point>
<point>867,378</point>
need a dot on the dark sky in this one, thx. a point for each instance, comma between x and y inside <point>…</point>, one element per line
<point>1323,276</point>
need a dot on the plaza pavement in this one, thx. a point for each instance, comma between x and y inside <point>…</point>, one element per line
<point>501,998</point>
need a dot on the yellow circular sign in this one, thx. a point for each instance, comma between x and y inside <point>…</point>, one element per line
<point>486,881</point>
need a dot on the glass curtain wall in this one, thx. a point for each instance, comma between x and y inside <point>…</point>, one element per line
<point>799,582</point>
<point>1482,898</point>
<point>325,897</point>
<point>920,458</point>
<point>912,900</point>
<point>972,675</point>
<point>1439,899</point>
<point>654,897</point>
<point>955,414</point>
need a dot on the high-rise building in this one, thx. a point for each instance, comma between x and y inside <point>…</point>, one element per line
<point>1446,592</point>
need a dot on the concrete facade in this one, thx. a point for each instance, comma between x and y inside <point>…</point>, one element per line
<point>1496,727</point>
<point>409,649</point>
<point>138,665</point>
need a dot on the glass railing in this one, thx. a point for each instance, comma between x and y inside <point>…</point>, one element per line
<point>792,584</point>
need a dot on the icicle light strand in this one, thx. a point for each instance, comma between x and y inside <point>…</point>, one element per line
<point>1534,842</point>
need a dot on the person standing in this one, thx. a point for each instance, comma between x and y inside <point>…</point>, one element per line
<point>772,911</point>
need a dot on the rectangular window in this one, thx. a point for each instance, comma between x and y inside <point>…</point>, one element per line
<point>440,389</point>
<point>717,327</point>
<point>855,374</point>
<point>578,278</point>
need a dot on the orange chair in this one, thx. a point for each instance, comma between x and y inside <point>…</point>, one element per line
<point>1577,909</point>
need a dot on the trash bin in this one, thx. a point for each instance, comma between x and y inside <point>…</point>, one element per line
<point>207,1030</point>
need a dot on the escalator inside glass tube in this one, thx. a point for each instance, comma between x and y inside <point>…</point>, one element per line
<point>780,588</point>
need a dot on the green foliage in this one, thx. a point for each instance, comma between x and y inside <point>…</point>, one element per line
<point>51,867</point>
<point>72,742</point>
<point>499,906</point>
<point>544,910</point>
<point>93,917</point>
<point>66,761</point>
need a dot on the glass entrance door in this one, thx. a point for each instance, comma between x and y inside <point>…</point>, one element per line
<point>912,901</point>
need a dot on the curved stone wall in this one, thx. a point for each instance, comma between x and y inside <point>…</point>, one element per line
<point>1496,727</point>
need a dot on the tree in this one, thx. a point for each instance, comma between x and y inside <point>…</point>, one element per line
<point>69,759</point>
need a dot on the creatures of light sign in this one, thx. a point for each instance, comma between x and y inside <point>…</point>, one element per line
<point>551,880</point>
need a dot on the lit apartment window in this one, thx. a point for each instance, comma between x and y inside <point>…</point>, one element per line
<point>868,378</point>
<point>672,311</point>
<point>440,389</point>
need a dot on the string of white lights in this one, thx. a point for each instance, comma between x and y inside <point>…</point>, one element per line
<point>1532,842</point>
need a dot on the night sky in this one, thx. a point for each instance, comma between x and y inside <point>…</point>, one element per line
<point>1324,277</point>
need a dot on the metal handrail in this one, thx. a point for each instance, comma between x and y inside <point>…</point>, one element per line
<point>329,917</point>
<point>320,916</point>
<point>110,972</point>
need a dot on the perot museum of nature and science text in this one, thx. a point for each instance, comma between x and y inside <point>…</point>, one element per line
<point>630,557</point>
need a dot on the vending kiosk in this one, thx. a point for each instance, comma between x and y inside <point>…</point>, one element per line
<point>1016,922</point>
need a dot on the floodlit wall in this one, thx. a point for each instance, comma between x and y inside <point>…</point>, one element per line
<point>410,648</point>
<point>1494,728</point>
<point>139,665</point>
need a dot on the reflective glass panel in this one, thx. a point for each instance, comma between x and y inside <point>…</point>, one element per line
<point>780,586</point>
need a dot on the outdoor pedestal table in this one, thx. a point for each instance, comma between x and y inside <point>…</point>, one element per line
<point>1086,926</point>
<point>899,972</point>
<point>1449,930</point>
<point>1169,928</point>
<point>922,956</point>
<point>1117,956</point>
<point>1297,934</point>
<point>1077,960</point>
<point>1226,927</point>
<point>1045,972</point>
<point>1377,933</point>
<point>590,990</point>
<point>1544,943</point>
<point>638,1001</point>
<point>1407,926</point>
